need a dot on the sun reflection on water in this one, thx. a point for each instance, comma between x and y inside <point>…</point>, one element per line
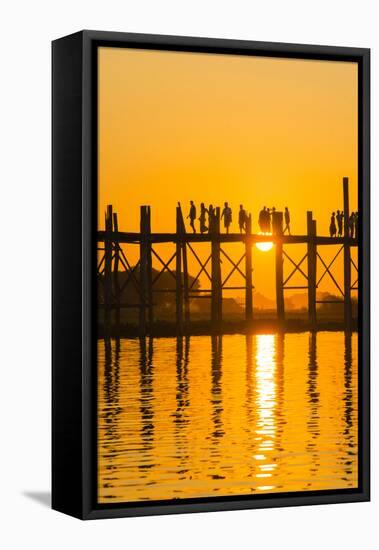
<point>265,399</point>
<point>228,415</point>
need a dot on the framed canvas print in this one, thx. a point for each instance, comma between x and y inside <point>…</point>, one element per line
<point>210,274</point>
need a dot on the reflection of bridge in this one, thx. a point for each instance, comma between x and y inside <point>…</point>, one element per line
<point>113,260</point>
<point>263,361</point>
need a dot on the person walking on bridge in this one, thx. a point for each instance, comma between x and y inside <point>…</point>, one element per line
<point>261,220</point>
<point>242,218</point>
<point>202,219</point>
<point>192,216</point>
<point>332,226</point>
<point>287,220</point>
<point>339,218</point>
<point>227,215</point>
<point>272,220</point>
<point>264,220</point>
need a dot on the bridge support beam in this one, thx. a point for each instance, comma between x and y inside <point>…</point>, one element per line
<point>186,288</point>
<point>108,253</point>
<point>312,270</point>
<point>178,275</point>
<point>116,281</point>
<point>145,272</point>
<point>248,274</point>
<point>216,291</point>
<point>347,257</point>
<point>279,281</point>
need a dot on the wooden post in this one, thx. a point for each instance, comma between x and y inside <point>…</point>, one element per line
<point>116,281</point>
<point>312,270</point>
<point>216,292</point>
<point>149,271</point>
<point>108,252</point>
<point>279,280</point>
<point>346,257</point>
<point>182,228</point>
<point>143,270</point>
<point>248,273</point>
<point>179,284</point>
<point>186,287</point>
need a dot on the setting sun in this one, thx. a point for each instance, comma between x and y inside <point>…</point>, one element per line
<point>264,246</point>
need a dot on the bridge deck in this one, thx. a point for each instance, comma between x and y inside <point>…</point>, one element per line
<point>124,237</point>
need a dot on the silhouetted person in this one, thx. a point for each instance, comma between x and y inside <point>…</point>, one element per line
<point>352,224</point>
<point>271,215</point>
<point>242,218</point>
<point>339,218</point>
<point>266,220</point>
<point>356,225</point>
<point>227,215</point>
<point>332,226</point>
<point>202,219</point>
<point>192,216</point>
<point>261,220</point>
<point>287,220</point>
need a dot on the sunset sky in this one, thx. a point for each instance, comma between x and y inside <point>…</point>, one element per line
<point>211,128</point>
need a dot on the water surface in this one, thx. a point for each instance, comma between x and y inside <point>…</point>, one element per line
<point>232,415</point>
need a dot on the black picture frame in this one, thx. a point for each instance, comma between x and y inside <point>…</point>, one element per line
<point>74,202</point>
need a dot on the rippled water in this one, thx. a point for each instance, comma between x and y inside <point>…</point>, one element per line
<point>231,415</point>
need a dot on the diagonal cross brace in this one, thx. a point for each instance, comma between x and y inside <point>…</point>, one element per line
<point>235,267</point>
<point>297,267</point>
<point>353,263</point>
<point>327,270</point>
<point>165,266</point>
<point>203,266</point>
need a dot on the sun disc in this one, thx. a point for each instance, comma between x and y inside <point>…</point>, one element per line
<point>264,246</point>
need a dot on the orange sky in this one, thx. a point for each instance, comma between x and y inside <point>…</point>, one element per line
<point>214,128</point>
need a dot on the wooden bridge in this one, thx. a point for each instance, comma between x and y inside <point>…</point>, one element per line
<point>112,260</point>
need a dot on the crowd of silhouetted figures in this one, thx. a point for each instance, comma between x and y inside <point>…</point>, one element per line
<point>270,220</point>
<point>336,227</point>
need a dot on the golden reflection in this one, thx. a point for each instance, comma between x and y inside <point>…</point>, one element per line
<point>231,415</point>
<point>265,400</point>
<point>266,388</point>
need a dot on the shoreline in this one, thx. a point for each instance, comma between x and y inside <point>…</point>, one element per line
<point>205,328</point>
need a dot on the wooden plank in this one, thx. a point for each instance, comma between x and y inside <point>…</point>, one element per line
<point>134,238</point>
<point>295,288</point>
